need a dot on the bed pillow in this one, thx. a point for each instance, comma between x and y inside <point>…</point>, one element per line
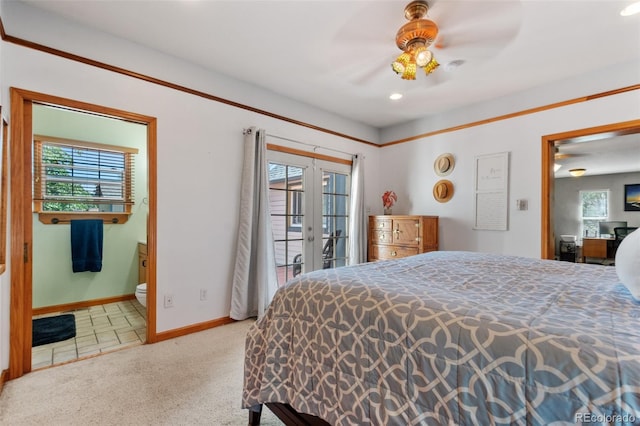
<point>628,263</point>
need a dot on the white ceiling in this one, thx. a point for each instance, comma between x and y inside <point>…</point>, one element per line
<point>336,55</point>
<point>606,155</point>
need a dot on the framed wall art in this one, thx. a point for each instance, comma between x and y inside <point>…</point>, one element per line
<point>632,197</point>
<point>491,192</point>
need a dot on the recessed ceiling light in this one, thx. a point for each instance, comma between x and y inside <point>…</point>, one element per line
<point>395,96</point>
<point>453,65</point>
<point>632,9</point>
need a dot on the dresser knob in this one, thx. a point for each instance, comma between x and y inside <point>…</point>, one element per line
<point>393,253</point>
<point>381,237</point>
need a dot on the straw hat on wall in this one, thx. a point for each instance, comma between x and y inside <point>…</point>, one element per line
<point>444,164</point>
<point>443,190</point>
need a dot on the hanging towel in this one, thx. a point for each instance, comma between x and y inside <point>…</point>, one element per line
<point>86,245</point>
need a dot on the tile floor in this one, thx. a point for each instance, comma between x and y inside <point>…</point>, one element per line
<point>99,329</point>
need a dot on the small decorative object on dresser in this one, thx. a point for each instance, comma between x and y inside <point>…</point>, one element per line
<point>395,236</point>
<point>389,198</point>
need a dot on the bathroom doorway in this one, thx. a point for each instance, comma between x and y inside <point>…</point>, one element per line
<point>34,289</point>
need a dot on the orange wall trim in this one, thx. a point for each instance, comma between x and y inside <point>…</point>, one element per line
<point>288,150</point>
<point>4,377</point>
<point>29,44</point>
<point>25,43</point>
<point>183,331</point>
<point>516,114</point>
<point>83,304</point>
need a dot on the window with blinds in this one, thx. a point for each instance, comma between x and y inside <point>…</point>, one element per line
<point>82,177</point>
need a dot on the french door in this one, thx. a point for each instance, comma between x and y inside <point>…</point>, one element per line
<point>309,202</point>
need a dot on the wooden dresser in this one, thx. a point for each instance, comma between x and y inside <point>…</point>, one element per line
<point>395,236</point>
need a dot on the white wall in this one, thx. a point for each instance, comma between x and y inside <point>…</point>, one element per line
<point>199,163</point>
<point>408,169</point>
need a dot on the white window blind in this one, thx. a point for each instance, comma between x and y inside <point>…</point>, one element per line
<point>78,176</point>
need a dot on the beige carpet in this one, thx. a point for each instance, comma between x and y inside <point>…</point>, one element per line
<point>189,380</point>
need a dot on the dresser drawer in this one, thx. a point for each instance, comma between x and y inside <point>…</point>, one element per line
<point>396,236</point>
<point>381,237</point>
<point>392,252</point>
<point>381,224</point>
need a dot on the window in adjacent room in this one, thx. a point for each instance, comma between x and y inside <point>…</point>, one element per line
<point>79,179</point>
<point>594,207</point>
<point>295,193</point>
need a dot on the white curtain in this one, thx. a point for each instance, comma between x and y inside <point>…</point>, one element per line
<point>254,278</point>
<point>357,217</point>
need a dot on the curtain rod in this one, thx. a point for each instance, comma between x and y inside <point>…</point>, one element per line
<point>309,144</point>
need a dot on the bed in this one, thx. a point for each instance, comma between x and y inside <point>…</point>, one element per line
<point>449,338</point>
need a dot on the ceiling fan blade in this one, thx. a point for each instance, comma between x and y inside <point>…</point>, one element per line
<point>370,73</point>
<point>563,156</point>
<point>481,26</point>
<point>471,44</point>
<point>462,15</point>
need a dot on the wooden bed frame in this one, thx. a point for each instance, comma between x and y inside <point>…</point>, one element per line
<point>286,413</point>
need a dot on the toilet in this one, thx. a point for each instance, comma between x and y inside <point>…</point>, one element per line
<point>141,294</point>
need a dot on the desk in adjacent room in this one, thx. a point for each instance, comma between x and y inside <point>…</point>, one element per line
<point>597,247</point>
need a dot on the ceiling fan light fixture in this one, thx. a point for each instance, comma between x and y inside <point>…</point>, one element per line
<point>423,56</point>
<point>577,172</point>
<point>431,66</point>
<point>401,62</point>
<point>410,71</point>
<point>414,39</point>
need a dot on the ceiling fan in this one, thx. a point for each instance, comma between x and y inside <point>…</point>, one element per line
<point>558,156</point>
<point>441,32</point>
<point>414,39</point>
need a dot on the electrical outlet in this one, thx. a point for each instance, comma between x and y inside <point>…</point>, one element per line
<point>203,294</point>
<point>168,300</point>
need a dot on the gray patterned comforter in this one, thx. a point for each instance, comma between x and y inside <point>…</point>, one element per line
<point>451,338</point>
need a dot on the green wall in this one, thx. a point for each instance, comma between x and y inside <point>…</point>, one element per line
<point>54,282</point>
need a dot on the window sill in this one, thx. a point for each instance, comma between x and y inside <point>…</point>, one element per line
<point>59,218</point>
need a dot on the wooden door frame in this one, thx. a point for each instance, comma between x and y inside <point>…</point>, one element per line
<point>547,187</point>
<point>22,217</point>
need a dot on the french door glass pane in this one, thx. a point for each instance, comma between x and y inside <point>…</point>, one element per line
<point>286,201</point>
<point>309,202</point>
<point>335,205</point>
